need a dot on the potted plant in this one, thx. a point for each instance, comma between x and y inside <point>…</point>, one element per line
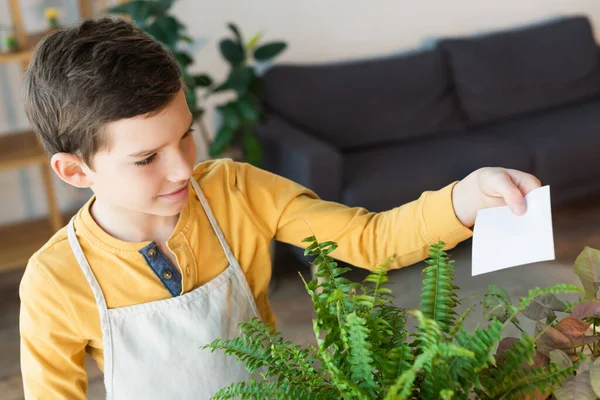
<point>51,15</point>
<point>365,350</point>
<point>238,116</point>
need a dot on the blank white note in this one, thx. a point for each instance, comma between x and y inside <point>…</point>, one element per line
<point>502,239</point>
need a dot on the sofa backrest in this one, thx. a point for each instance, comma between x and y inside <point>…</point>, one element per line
<point>505,74</point>
<point>369,102</point>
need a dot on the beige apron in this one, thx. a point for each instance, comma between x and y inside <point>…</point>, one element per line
<point>152,350</point>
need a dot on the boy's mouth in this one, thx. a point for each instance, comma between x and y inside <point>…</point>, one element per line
<point>177,194</point>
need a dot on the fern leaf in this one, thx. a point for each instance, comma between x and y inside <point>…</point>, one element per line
<point>481,343</point>
<point>501,377</point>
<point>458,324</point>
<point>270,390</point>
<point>535,379</point>
<point>360,355</point>
<point>556,289</point>
<point>397,361</point>
<point>438,297</point>
<point>347,389</point>
<point>404,383</point>
<point>258,347</point>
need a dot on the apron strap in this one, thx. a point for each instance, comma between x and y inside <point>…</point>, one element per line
<point>214,224</point>
<point>100,302</point>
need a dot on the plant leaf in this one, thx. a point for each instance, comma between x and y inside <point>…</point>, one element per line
<point>595,377</point>
<point>269,50</point>
<point>561,359</point>
<point>169,27</point>
<point>232,52</point>
<point>577,387</point>
<point>543,307</point>
<point>496,303</point>
<point>184,59</point>
<point>240,79</point>
<point>548,339</point>
<point>236,33</point>
<point>253,41</point>
<point>247,109</point>
<point>202,80</point>
<point>587,267</point>
<point>222,141</point>
<point>505,344</point>
<point>138,10</point>
<point>572,327</point>
<point>252,147</point>
<point>586,309</point>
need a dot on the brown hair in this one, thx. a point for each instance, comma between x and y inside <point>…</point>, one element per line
<point>92,73</point>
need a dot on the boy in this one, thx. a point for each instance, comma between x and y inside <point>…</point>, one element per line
<point>165,257</point>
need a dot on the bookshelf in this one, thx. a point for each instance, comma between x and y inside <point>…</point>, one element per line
<point>22,149</point>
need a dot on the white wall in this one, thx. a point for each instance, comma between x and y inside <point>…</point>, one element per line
<point>316,31</point>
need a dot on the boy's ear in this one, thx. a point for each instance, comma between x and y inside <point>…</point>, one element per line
<point>72,170</point>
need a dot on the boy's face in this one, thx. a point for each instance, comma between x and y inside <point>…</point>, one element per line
<point>148,163</point>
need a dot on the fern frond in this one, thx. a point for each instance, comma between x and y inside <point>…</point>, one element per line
<point>332,294</point>
<point>430,332</point>
<point>404,383</point>
<point>257,347</point>
<point>459,323</point>
<point>346,388</point>
<point>438,297</point>
<point>556,289</point>
<point>253,389</point>
<point>395,363</point>
<point>481,343</point>
<point>379,292</point>
<point>360,356</point>
<point>518,355</point>
<point>529,381</point>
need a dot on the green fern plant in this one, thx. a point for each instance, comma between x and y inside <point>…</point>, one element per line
<point>364,350</point>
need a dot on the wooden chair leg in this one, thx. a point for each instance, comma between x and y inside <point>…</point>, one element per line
<point>53,210</point>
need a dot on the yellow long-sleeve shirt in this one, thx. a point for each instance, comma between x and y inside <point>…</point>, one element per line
<point>59,319</point>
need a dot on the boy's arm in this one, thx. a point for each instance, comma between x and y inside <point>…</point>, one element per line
<point>291,212</point>
<point>52,349</point>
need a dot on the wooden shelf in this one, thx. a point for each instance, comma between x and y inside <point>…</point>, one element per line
<point>19,241</point>
<point>23,55</point>
<point>19,150</point>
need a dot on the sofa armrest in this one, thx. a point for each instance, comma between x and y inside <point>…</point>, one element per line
<point>301,157</point>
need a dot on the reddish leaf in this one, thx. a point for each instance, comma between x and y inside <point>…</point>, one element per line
<point>586,309</point>
<point>572,327</point>
<point>506,344</point>
<point>539,360</point>
<point>587,267</point>
<point>548,339</point>
<point>583,341</point>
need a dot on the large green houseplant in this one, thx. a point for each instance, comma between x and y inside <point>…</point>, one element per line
<point>238,116</point>
<point>365,350</point>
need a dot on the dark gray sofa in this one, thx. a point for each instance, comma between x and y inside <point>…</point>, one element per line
<point>377,133</point>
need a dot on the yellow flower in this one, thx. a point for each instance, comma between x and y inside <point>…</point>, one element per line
<point>51,13</point>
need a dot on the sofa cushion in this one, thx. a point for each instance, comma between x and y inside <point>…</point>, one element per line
<point>367,102</point>
<point>380,179</point>
<point>505,74</point>
<point>565,144</point>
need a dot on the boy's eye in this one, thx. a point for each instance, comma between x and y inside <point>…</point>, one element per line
<point>146,161</point>
<point>188,133</point>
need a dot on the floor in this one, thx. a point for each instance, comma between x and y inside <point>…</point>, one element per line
<point>575,226</point>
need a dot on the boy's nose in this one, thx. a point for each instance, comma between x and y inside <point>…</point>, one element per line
<point>180,170</point>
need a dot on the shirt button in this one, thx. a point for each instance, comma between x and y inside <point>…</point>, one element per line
<point>152,253</point>
<point>167,275</point>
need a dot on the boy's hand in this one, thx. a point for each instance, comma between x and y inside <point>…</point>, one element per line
<point>491,187</point>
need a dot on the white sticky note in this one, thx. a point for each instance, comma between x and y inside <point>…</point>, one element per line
<point>502,239</point>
